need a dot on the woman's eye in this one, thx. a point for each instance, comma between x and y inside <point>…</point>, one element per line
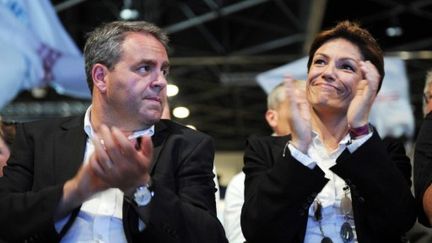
<point>348,67</point>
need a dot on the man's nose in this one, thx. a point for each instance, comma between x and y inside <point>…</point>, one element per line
<point>159,81</point>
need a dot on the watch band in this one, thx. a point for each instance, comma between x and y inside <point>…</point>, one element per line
<point>356,132</point>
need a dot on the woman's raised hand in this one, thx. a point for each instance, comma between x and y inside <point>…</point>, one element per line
<point>367,88</point>
<point>299,117</point>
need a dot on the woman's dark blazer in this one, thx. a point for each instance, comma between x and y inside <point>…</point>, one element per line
<point>279,191</point>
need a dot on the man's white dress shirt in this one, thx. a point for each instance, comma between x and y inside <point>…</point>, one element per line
<point>100,217</point>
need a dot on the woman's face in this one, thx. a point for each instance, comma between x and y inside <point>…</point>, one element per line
<point>333,75</point>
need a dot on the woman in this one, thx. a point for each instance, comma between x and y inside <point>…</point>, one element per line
<point>333,179</point>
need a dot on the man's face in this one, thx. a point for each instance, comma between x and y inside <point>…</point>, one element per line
<point>136,86</point>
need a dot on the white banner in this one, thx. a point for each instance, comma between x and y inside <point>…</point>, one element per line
<point>31,39</point>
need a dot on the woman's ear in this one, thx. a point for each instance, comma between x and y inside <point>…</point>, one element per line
<point>99,73</point>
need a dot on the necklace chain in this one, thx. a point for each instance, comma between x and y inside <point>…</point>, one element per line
<point>346,231</point>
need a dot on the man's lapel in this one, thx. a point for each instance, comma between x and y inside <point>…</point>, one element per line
<point>159,139</point>
<point>70,142</point>
<point>69,148</point>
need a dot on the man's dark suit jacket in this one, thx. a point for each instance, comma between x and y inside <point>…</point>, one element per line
<point>279,191</point>
<point>423,165</point>
<point>47,153</point>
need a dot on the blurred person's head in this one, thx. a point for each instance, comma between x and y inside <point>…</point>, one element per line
<point>7,136</point>
<point>277,110</point>
<point>427,94</point>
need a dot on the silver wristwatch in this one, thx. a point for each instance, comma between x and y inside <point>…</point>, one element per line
<point>143,196</point>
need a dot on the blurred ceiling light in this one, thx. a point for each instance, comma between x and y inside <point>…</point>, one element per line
<point>181,112</point>
<point>39,93</point>
<point>172,90</point>
<point>394,29</point>
<point>128,13</point>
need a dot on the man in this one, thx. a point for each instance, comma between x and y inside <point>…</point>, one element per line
<point>118,173</point>
<point>276,116</point>
<point>423,159</point>
<point>427,94</point>
<point>166,114</point>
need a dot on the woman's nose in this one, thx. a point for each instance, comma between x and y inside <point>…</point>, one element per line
<point>329,72</point>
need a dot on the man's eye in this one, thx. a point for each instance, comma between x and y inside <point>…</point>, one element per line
<point>319,61</point>
<point>165,72</point>
<point>144,69</point>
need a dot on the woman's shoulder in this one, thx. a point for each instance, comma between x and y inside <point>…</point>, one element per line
<point>268,139</point>
<point>263,142</point>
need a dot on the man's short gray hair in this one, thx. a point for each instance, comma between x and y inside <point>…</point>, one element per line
<point>104,44</point>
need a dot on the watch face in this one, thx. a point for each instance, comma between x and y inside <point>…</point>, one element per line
<point>142,196</point>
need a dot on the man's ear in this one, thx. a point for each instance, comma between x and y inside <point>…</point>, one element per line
<point>271,117</point>
<point>99,73</point>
